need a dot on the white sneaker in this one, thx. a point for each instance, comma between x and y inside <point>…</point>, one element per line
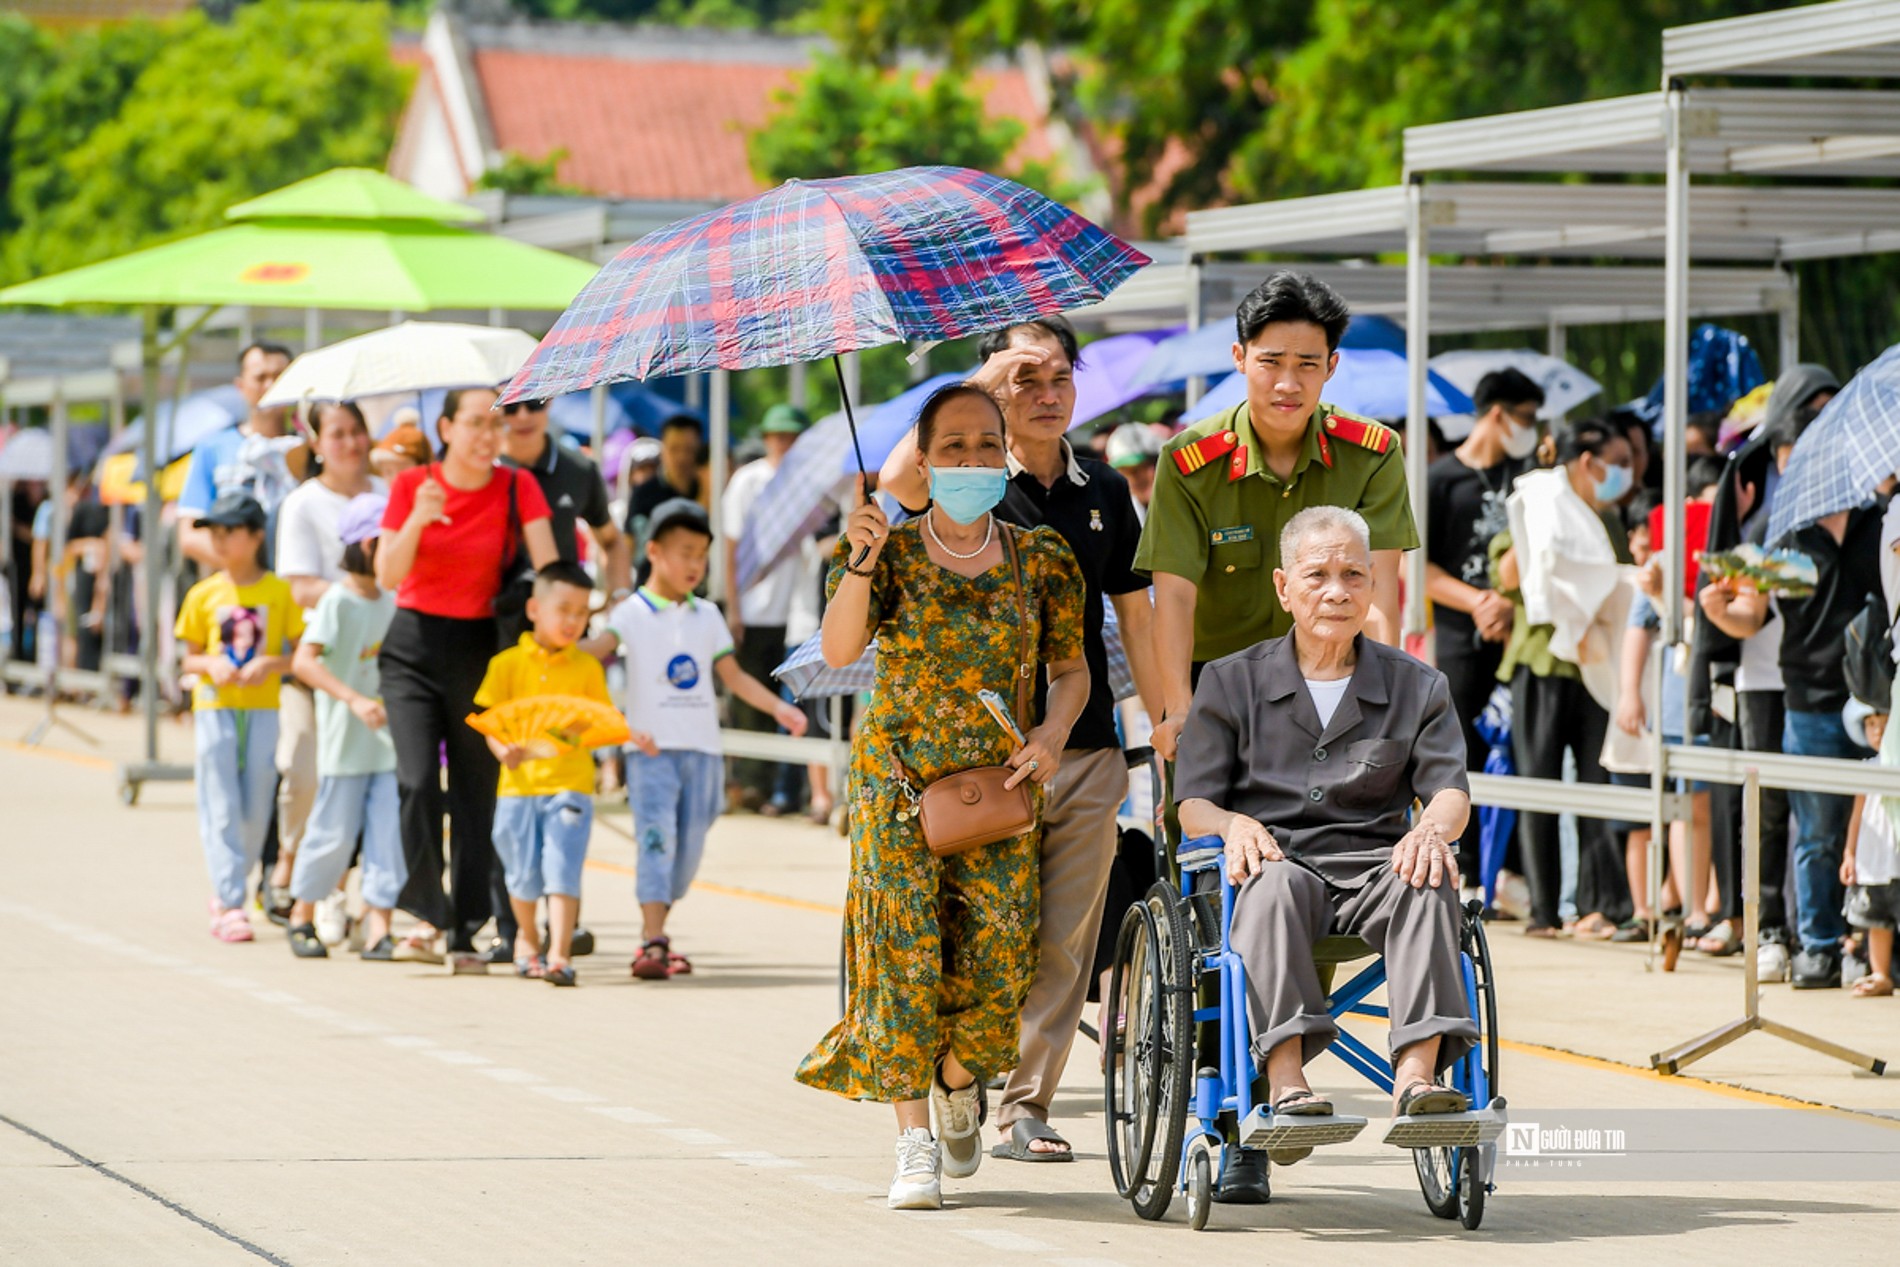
<point>1514,895</point>
<point>1771,962</point>
<point>958,1128</point>
<point>333,919</point>
<point>916,1186</point>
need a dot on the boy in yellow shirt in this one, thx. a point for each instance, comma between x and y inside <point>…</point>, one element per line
<point>544,810</point>
<point>238,628</point>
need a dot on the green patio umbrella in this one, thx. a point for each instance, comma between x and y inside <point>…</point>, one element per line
<point>381,245</point>
<point>350,238</point>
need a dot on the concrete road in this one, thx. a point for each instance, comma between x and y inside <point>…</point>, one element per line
<point>168,1099</point>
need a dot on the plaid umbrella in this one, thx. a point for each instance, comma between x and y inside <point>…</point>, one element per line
<point>807,676</point>
<point>816,268</point>
<point>1850,448</point>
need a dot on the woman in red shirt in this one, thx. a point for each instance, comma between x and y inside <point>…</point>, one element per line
<point>447,537</point>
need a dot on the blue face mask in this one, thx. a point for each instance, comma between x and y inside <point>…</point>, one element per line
<point>1615,482</point>
<point>967,493</point>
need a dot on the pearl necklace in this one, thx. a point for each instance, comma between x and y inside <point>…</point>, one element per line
<point>988,531</point>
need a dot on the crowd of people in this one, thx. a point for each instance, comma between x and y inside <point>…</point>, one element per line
<point>360,599</point>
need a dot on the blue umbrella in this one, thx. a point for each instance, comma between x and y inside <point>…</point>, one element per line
<point>1210,349</point>
<point>200,416</point>
<point>1111,373</point>
<point>632,406</point>
<point>1495,823</point>
<point>28,454</point>
<point>1850,448</point>
<point>1723,368</point>
<point>1369,381</point>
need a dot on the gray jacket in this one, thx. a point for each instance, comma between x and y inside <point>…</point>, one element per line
<point>1337,796</point>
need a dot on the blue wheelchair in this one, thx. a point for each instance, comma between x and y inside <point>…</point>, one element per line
<point>1182,1049</point>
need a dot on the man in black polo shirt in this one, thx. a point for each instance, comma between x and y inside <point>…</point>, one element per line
<point>575,492</point>
<point>682,440</point>
<point>1845,548</point>
<point>1031,370</point>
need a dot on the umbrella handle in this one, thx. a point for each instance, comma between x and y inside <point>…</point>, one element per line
<point>851,421</point>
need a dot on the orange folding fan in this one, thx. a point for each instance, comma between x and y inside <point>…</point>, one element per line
<point>553,725</point>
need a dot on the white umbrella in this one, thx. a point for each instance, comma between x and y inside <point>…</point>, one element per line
<point>1565,386</point>
<point>411,357</point>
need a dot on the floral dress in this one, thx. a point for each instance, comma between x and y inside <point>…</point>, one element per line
<point>939,952</point>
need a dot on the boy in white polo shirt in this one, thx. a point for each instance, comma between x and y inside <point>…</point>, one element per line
<point>674,646</point>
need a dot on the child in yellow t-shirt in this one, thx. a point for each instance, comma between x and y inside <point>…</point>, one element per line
<point>544,809</point>
<point>238,627</point>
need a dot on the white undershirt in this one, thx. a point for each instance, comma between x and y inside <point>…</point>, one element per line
<point>1326,697</point>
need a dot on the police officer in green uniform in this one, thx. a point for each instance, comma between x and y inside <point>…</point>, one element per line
<point>1226,486</point>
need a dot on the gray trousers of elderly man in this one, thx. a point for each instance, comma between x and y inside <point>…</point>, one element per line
<point>1281,913</point>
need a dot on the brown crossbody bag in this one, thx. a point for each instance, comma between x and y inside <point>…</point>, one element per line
<point>972,808</point>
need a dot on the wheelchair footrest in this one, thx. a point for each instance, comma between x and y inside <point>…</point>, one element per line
<point>1448,1130</point>
<point>1263,1129</point>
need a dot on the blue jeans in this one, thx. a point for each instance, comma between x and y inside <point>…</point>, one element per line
<point>542,843</point>
<point>237,790</point>
<point>1820,825</point>
<point>349,805</point>
<point>675,797</point>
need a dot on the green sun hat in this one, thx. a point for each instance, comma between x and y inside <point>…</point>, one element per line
<point>784,420</point>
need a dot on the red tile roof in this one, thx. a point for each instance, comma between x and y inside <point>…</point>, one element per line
<point>663,130</point>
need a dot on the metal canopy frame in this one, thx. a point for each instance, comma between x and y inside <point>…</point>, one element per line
<point>1682,133</point>
<point>1852,39</point>
<point>56,393</point>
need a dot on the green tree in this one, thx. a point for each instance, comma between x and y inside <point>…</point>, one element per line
<point>841,118</point>
<point>1266,98</point>
<point>204,115</point>
<point>519,174</point>
<point>23,58</point>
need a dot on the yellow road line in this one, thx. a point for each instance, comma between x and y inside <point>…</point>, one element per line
<point>55,754</point>
<point>1729,1089</point>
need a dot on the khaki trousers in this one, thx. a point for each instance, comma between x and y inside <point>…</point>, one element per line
<point>296,762</point>
<point>1078,852</point>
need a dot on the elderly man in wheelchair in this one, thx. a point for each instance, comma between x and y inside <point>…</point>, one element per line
<point>1306,756</point>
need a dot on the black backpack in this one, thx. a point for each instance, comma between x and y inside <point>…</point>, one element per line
<point>1869,655</point>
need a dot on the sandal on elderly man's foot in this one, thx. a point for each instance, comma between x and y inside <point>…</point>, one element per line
<point>1023,1133</point>
<point>1422,1098</point>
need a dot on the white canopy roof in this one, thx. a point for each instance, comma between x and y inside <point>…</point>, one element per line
<point>1808,132</point>
<point>1850,39</point>
<point>1596,221</point>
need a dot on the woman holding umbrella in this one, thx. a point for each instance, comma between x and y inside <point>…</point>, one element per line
<point>452,530</point>
<point>940,951</point>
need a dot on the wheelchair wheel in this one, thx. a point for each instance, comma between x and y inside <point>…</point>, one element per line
<point>1438,1178</point>
<point>1200,1183</point>
<point>1453,1184</point>
<point>1149,1051</point>
<point>1479,949</point>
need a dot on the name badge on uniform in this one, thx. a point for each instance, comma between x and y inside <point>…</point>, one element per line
<point>1228,536</point>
